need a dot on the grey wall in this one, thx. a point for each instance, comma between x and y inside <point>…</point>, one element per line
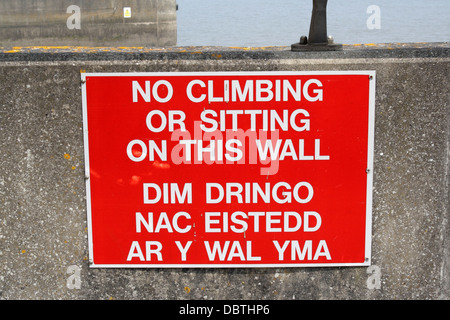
<point>96,23</point>
<point>43,230</point>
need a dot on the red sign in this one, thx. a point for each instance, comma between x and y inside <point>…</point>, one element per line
<point>255,169</point>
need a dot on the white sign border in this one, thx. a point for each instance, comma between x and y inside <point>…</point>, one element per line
<point>370,167</point>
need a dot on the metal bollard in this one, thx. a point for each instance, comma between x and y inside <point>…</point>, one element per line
<point>318,39</point>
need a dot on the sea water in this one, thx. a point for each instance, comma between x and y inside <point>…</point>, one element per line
<point>282,22</point>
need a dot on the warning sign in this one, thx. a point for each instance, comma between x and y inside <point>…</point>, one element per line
<point>254,169</point>
<point>127,12</point>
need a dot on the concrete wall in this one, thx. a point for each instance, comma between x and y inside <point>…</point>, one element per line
<point>43,230</point>
<point>88,23</point>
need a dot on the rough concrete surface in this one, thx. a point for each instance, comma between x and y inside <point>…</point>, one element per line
<point>43,230</point>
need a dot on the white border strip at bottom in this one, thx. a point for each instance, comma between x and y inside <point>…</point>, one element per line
<point>211,266</point>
